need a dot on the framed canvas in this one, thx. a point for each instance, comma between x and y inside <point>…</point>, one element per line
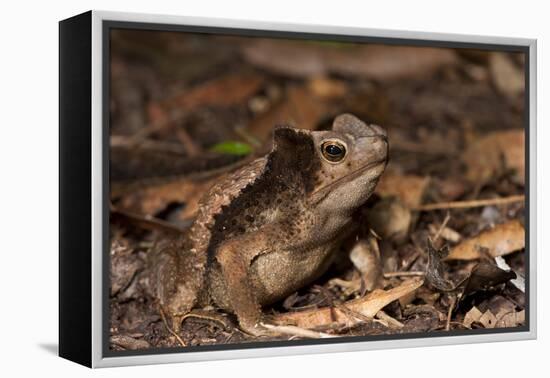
<point>234,189</point>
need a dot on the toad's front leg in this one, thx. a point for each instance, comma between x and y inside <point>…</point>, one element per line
<point>235,257</point>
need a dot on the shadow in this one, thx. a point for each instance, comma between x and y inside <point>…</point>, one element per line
<point>50,348</point>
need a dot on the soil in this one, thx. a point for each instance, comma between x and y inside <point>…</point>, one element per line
<point>187,107</point>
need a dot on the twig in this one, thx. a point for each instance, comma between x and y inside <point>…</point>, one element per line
<point>391,321</point>
<point>296,331</point>
<point>443,225</point>
<point>412,273</point>
<point>248,138</point>
<point>172,332</point>
<point>408,263</point>
<point>450,312</point>
<point>192,148</point>
<point>147,222</point>
<point>354,314</point>
<point>205,315</point>
<point>470,204</point>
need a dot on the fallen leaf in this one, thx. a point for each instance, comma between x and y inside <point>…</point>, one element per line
<point>386,63</point>
<point>482,277</point>
<point>510,319</point>
<point>485,276</point>
<point>518,282</point>
<point>409,189</point>
<point>492,155</point>
<point>472,316</point>
<point>446,233</point>
<point>390,219</point>
<point>367,306</point>
<point>365,256</point>
<point>501,240</point>
<point>124,267</point>
<point>488,319</point>
<point>507,77</point>
<point>435,270</point>
<point>228,90</point>
<point>129,343</point>
<point>450,189</point>
<point>498,304</point>
<point>288,58</point>
<point>130,163</point>
<point>232,148</point>
<point>327,88</point>
<point>153,199</point>
<point>376,62</point>
<point>298,109</point>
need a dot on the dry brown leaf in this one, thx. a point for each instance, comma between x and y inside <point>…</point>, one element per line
<point>285,57</point>
<point>372,61</point>
<point>365,256</point>
<point>485,276</point>
<point>501,240</point>
<point>390,219</point>
<point>493,154</point>
<point>123,268</point>
<point>153,199</point>
<point>325,87</point>
<point>510,319</point>
<point>367,307</point>
<point>229,90</point>
<point>407,299</point>
<point>488,319</point>
<point>472,316</point>
<point>128,342</point>
<point>435,269</point>
<point>299,109</point>
<point>408,188</point>
<point>385,63</point>
<point>507,77</point>
<point>450,188</point>
<point>446,233</point>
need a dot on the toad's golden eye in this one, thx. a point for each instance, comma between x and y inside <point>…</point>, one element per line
<point>333,151</point>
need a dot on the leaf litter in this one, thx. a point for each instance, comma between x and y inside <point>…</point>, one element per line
<point>440,245</point>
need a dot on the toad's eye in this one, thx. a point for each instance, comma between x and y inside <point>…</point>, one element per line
<point>333,151</point>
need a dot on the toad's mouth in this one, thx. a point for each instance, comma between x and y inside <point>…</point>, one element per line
<point>320,193</point>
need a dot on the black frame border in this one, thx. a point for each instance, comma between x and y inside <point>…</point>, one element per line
<point>75,188</point>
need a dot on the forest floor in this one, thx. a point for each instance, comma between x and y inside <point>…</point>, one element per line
<point>448,216</point>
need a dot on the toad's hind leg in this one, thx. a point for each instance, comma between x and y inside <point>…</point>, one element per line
<point>176,279</point>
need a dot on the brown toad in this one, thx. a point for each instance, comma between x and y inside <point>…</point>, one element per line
<point>271,227</point>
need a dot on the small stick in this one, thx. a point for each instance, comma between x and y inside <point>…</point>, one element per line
<point>408,263</point>
<point>412,273</point>
<point>391,321</point>
<point>450,312</point>
<point>147,222</point>
<point>192,148</point>
<point>443,225</point>
<point>354,314</point>
<point>248,138</point>
<point>470,204</point>
<point>172,332</point>
<point>296,331</point>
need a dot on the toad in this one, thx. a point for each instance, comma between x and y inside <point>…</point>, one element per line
<point>271,227</point>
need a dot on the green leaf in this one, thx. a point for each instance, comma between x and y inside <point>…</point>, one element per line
<point>232,148</point>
